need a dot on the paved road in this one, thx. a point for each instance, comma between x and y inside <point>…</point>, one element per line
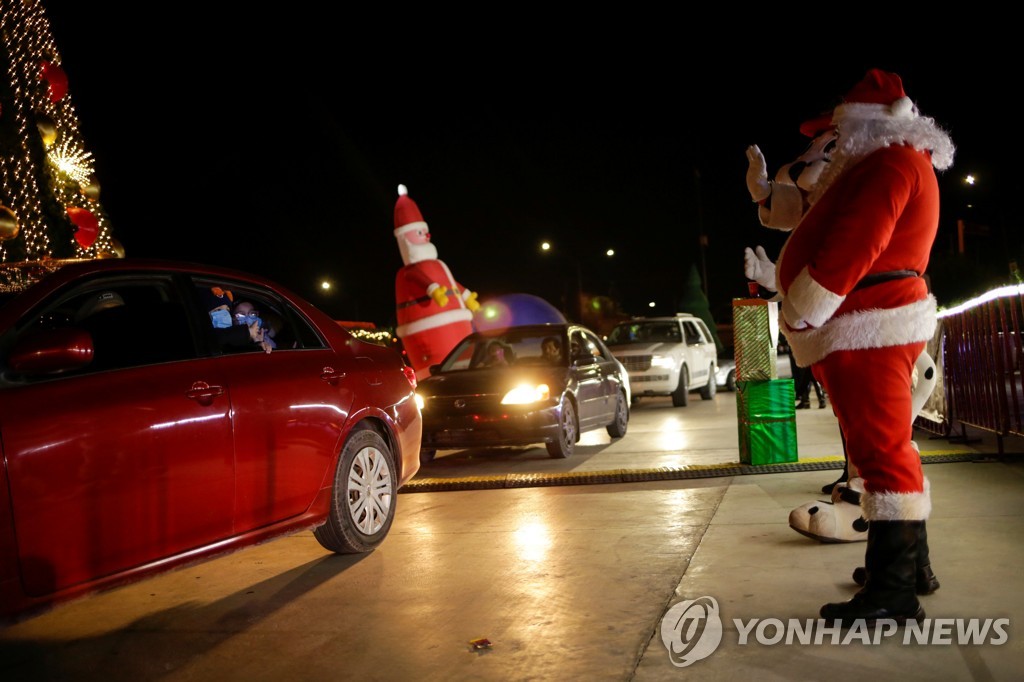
<point>567,582</point>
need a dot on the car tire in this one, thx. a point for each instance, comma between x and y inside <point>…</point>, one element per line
<point>710,388</point>
<point>565,444</point>
<point>427,456</point>
<point>730,380</point>
<point>363,496</point>
<point>617,429</point>
<point>681,396</point>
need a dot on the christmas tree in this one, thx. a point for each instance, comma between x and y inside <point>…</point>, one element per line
<point>49,194</point>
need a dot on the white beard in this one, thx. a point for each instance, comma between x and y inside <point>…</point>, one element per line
<point>414,253</point>
<point>859,138</point>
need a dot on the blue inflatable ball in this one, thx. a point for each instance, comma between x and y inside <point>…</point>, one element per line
<point>510,310</point>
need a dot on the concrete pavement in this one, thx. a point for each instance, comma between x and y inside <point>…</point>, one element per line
<point>571,569</point>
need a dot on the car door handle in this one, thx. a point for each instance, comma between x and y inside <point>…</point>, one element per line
<point>203,393</point>
<point>331,376</point>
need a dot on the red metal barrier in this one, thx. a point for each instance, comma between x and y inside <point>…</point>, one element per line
<point>981,364</point>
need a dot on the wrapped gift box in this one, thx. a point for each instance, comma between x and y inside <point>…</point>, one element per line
<point>755,328</point>
<point>767,421</point>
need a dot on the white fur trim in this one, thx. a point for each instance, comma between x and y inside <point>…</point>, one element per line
<point>901,108</point>
<point>890,506</point>
<point>415,225</point>
<point>434,321</point>
<point>873,328</point>
<point>812,302</point>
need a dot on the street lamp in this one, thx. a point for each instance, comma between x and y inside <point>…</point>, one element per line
<point>547,247</point>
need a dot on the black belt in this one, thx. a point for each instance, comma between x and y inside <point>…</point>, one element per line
<point>879,277</point>
<point>415,301</point>
<point>422,299</point>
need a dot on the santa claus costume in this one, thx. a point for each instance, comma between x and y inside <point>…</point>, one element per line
<point>434,312</point>
<point>854,301</point>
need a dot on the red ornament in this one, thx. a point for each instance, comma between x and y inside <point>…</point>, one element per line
<point>87,224</point>
<point>57,80</point>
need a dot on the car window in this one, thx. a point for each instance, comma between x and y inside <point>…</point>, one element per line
<point>132,322</point>
<point>288,327</point>
<point>595,347</point>
<point>463,356</point>
<point>693,334</point>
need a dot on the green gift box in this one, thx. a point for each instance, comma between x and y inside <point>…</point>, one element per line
<point>766,415</point>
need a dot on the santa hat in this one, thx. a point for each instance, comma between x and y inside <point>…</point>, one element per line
<point>817,125</point>
<point>879,96</point>
<point>407,214</point>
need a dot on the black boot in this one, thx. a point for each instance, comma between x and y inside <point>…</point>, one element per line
<point>925,580</point>
<point>827,489</point>
<point>891,563</point>
<point>820,392</point>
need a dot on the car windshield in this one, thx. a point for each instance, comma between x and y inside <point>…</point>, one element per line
<point>644,332</point>
<point>514,348</point>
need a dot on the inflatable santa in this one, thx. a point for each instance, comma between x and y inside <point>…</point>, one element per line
<point>854,300</point>
<point>434,312</point>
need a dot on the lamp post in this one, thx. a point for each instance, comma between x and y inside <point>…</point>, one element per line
<point>546,247</point>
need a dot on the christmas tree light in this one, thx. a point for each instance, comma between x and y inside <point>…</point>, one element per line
<point>49,196</point>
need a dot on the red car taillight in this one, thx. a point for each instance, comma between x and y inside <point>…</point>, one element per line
<point>410,374</point>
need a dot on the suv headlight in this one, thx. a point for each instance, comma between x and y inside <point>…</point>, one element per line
<point>664,361</point>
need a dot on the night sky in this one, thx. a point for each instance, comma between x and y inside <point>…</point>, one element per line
<point>275,144</point>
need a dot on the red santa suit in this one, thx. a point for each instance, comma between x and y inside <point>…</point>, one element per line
<point>434,312</point>
<point>856,308</point>
<point>854,302</point>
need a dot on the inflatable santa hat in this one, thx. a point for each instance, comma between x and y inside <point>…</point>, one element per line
<point>407,213</point>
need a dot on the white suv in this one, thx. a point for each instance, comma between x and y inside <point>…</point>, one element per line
<point>667,356</point>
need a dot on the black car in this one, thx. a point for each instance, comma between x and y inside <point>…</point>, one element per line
<point>527,384</point>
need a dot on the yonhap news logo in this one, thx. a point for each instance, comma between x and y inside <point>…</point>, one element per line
<point>692,630</point>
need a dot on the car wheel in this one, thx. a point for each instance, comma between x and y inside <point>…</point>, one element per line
<point>565,444</point>
<point>617,429</point>
<point>363,496</point>
<point>730,380</point>
<point>681,396</point>
<point>709,390</point>
<point>426,456</point>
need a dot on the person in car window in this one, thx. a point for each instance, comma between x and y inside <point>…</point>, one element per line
<point>551,349</point>
<point>496,356</point>
<point>218,302</point>
<point>245,313</point>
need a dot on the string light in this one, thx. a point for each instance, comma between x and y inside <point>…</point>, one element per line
<point>29,43</point>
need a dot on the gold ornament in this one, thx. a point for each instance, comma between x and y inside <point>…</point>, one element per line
<point>47,129</point>
<point>8,224</point>
<point>91,188</point>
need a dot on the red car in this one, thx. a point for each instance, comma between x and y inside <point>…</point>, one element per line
<point>136,437</point>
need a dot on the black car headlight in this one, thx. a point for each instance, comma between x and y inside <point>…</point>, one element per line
<point>525,394</point>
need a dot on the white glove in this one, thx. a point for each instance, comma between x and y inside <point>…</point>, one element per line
<point>757,174</point>
<point>758,267</point>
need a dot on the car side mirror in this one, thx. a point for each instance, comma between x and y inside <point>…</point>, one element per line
<point>52,351</point>
<point>584,360</point>
<point>434,369</point>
